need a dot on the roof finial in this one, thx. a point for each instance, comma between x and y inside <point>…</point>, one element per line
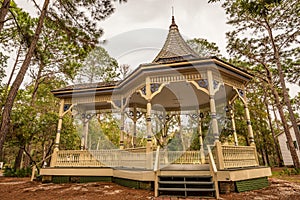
<point>172,11</point>
<point>173,18</point>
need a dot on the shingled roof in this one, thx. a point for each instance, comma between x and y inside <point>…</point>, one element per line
<point>175,48</point>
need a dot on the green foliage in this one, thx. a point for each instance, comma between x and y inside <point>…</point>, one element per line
<point>98,67</point>
<point>3,65</point>
<point>265,38</point>
<point>24,172</point>
<point>35,126</point>
<point>271,23</point>
<point>67,36</point>
<point>290,171</point>
<point>204,48</point>
<point>110,131</point>
<point>103,133</point>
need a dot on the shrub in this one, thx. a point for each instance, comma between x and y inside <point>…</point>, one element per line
<point>291,171</point>
<point>285,171</point>
<point>24,172</point>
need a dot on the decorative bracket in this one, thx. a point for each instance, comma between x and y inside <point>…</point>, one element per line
<point>201,84</point>
<point>242,94</point>
<point>155,88</point>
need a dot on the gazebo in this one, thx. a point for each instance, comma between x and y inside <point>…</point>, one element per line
<point>178,84</point>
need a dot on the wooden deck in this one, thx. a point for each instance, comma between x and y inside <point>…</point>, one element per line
<point>225,164</point>
<point>127,173</point>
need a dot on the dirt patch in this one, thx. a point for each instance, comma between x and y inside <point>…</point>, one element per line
<point>278,189</point>
<point>23,189</point>
<point>18,189</point>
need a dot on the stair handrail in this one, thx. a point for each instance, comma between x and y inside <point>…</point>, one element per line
<point>156,163</point>
<point>211,159</point>
<point>213,169</point>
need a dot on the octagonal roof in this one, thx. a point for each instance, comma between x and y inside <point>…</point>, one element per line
<point>175,48</point>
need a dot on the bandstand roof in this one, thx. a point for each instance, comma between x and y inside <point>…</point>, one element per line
<point>175,48</point>
<point>176,61</point>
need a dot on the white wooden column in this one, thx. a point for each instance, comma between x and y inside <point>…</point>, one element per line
<point>60,121</point>
<point>122,127</point>
<point>148,115</point>
<point>243,97</point>
<point>86,134</point>
<point>212,103</point>
<point>236,142</point>
<point>248,120</point>
<point>202,155</point>
<point>149,128</point>
<point>135,118</point>
<point>59,127</point>
<point>57,139</point>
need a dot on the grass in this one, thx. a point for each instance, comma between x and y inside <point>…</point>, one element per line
<point>288,174</point>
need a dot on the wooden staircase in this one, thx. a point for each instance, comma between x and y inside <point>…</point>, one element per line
<point>200,186</point>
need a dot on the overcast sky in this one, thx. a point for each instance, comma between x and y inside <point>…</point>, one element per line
<point>139,27</point>
<point>135,33</point>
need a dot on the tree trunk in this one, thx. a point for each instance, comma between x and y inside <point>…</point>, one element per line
<point>284,123</point>
<point>277,150</point>
<point>26,158</point>
<point>275,116</point>
<point>264,156</point>
<point>20,76</point>
<point>18,159</point>
<point>37,84</point>
<point>3,12</point>
<point>286,98</point>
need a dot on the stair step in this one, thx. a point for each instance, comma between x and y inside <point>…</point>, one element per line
<point>187,182</point>
<point>181,176</point>
<point>188,189</point>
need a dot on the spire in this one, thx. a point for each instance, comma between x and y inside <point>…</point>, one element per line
<point>175,48</point>
<point>173,24</point>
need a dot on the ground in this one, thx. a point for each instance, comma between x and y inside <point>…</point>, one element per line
<point>281,187</point>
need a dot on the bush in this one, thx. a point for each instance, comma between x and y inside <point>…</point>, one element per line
<point>295,171</point>
<point>24,172</point>
<point>291,171</point>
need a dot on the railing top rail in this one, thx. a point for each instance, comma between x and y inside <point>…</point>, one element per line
<point>238,147</point>
<point>211,159</point>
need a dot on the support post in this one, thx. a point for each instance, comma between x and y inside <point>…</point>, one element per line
<point>149,128</point>
<point>243,97</point>
<point>83,133</point>
<point>135,118</point>
<point>82,142</point>
<point>61,111</point>
<point>212,103</point>
<point>202,155</point>
<point>148,115</point>
<point>219,155</point>
<point>236,142</point>
<point>57,139</point>
<point>248,120</point>
<point>122,128</point>
<point>250,131</point>
<point>86,134</point>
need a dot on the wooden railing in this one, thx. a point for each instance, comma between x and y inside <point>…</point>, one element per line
<point>75,158</point>
<point>225,157</point>
<point>228,157</point>
<point>101,158</point>
<point>179,157</point>
<point>122,158</point>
